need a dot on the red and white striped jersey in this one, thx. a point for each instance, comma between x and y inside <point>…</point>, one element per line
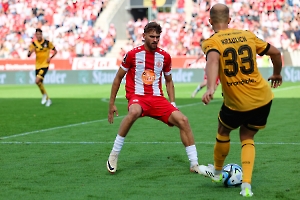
<point>144,71</point>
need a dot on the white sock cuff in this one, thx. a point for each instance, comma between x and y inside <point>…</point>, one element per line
<point>190,148</point>
<point>191,152</point>
<point>118,144</point>
<point>120,138</point>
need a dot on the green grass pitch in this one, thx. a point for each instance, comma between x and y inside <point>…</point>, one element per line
<point>60,152</point>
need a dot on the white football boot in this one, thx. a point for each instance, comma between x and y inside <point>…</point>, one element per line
<point>209,171</point>
<point>111,164</point>
<point>44,99</point>
<point>48,102</point>
<point>246,190</point>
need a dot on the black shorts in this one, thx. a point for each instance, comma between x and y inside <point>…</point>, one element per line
<point>254,119</point>
<point>41,72</point>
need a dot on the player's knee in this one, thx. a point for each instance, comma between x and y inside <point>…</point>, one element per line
<point>134,113</point>
<point>222,130</point>
<point>38,81</point>
<point>183,121</point>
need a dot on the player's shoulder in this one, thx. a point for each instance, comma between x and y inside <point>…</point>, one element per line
<point>34,43</point>
<point>253,35</point>
<point>208,41</point>
<point>247,32</point>
<point>45,43</point>
<point>132,52</point>
<point>163,52</point>
<point>249,35</point>
<point>233,34</point>
<point>243,33</point>
<point>135,50</point>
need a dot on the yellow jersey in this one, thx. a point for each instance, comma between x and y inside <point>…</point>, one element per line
<point>243,86</point>
<point>42,51</point>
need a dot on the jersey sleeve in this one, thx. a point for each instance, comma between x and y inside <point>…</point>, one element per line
<point>208,46</point>
<point>31,47</point>
<point>262,46</point>
<point>51,46</point>
<point>167,65</point>
<point>126,62</point>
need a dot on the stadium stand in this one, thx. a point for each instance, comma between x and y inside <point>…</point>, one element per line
<point>276,21</point>
<point>69,25</point>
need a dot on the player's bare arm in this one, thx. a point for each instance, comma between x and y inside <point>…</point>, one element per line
<point>112,109</point>
<point>54,53</point>
<point>212,70</point>
<point>170,87</point>
<point>30,52</point>
<point>275,55</point>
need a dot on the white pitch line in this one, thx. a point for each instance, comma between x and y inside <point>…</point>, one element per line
<point>62,142</point>
<point>54,128</point>
<point>104,100</point>
<point>72,125</point>
<point>286,88</point>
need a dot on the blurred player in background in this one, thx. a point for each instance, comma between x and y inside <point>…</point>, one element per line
<point>204,82</point>
<point>144,66</point>
<point>231,54</point>
<point>197,59</point>
<point>42,49</point>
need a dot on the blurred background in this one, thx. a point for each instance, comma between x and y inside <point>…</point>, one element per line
<point>92,36</point>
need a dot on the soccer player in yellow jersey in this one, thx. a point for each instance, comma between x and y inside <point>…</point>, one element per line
<point>231,55</point>
<point>42,49</point>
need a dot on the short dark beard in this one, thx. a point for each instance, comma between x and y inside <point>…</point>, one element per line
<point>150,47</point>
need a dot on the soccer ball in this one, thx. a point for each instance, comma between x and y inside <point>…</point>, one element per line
<point>232,175</point>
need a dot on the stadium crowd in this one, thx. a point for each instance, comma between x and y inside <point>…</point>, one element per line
<point>68,24</point>
<point>275,21</point>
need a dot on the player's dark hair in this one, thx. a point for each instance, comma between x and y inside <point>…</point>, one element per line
<point>219,14</point>
<point>152,26</point>
<point>38,30</point>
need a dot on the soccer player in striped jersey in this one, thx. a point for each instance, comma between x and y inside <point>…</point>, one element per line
<point>144,67</point>
<point>231,55</point>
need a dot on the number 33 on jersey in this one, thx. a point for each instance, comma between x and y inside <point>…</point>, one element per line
<point>238,70</point>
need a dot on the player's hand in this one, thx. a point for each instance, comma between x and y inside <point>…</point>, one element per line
<point>111,111</point>
<point>276,80</point>
<point>48,60</point>
<point>207,96</point>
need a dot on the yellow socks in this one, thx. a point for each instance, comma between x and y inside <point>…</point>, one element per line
<point>42,88</point>
<point>221,150</point>
<point>247,158</point>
